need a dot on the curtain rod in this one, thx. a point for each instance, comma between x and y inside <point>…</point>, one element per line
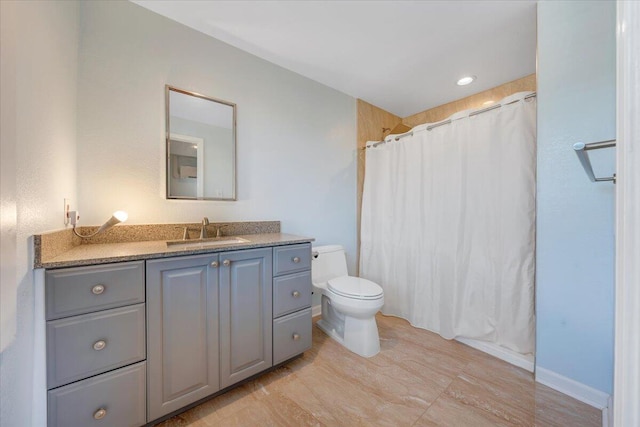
<point>448,121</point>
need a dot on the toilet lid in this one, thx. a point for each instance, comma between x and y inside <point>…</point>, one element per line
<point>355,287</point>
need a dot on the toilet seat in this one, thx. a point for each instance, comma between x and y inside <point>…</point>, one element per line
<point>355,287</point>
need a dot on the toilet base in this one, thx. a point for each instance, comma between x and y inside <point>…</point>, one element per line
<point>359,335</point>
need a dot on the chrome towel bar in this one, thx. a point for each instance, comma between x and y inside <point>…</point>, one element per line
<point>581,151</point>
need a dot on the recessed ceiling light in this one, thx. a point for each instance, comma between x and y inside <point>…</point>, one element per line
<point>466,80</point>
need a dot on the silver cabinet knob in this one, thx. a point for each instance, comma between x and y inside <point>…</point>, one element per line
<point>295,294</point>
<point>99,345</point>
<point>97,289</point>
<point>226,263</point>
<point>100,414</point>
<point>215,264</point>
<point>295,337</point>
<point>295,259</point>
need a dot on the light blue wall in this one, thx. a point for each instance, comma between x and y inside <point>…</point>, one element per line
<point>38,80</point>
<point>296,138</point>
<point>575,223</point>
<point>94,73</point>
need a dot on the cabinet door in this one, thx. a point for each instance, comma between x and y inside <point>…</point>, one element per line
<point>245,314</point>
<point>182,332</point>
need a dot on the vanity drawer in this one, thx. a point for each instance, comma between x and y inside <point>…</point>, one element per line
<point>291,293</point>
<point>81,346</point>
<point>116,398</point>
<point>288,259</point>
<point>291,335</point>
<point>78,290</point>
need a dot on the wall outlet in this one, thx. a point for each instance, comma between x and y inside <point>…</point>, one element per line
<point>67,204</point>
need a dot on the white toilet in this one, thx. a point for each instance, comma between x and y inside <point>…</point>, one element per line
<point>349,304</point>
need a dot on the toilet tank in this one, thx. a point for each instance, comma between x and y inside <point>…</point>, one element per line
<point>331,262</point>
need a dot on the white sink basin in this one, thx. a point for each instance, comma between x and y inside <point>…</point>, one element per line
<point>205,243</point>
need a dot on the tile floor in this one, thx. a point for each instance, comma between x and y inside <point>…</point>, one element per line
<point>417,379</point>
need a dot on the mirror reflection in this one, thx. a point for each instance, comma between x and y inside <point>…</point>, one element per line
<point>201,146</point>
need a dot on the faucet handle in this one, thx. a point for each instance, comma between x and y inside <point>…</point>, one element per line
<point>185,232</point>
<point>203,229</point>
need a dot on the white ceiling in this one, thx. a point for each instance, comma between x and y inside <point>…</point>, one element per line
<point>403,56</point>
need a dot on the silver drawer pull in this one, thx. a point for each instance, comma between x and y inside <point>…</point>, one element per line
<point>97,289</point>
<point>99,345</point>
<point>100,414</point>
<point>295,337</point>
<point>215,264</point>
<point>295,259</point>
<point>226,263</point>
<point>295,294</point>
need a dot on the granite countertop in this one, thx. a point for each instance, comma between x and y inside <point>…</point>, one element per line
<point>132,251</point>
<point>62,248</point>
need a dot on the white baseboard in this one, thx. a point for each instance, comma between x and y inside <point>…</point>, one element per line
<point>316,310</point>
<point>520,360</point>
<point>584,393</point>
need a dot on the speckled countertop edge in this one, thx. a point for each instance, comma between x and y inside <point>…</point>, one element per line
<point>61,248</point>
<point>106,253</point>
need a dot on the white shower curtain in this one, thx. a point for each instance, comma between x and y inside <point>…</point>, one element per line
<point>448,225</point>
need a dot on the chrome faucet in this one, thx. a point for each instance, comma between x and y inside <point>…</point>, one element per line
<point>203,229</point>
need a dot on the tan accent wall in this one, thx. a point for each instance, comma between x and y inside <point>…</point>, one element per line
<point>371,121</point>
<point>441,112</point>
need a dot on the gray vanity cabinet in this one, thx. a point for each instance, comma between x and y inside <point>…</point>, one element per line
<point>291,301</point>
<point>211,321</point>
<point>96,345</point>
<point>245,314</point>
<point>182,332</point>
<point>208,325</point>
